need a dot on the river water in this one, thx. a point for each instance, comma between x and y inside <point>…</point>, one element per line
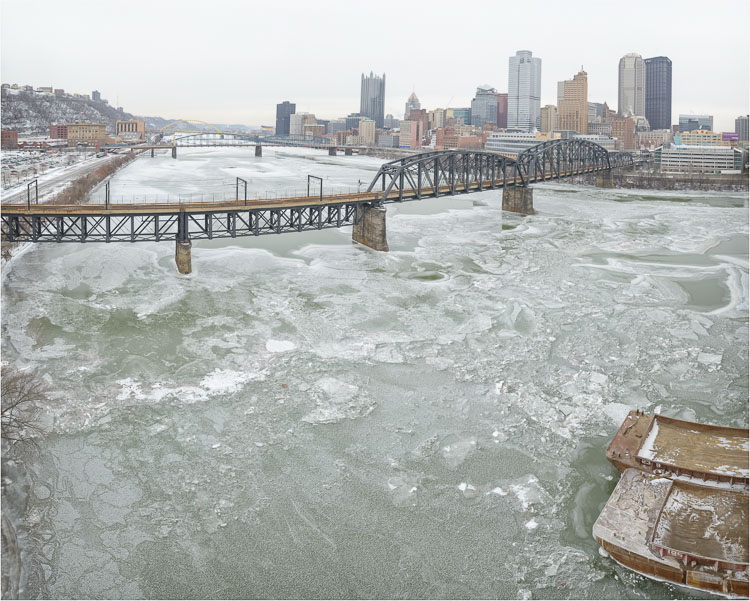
<point>304,417</point>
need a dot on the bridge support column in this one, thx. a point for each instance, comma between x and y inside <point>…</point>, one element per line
<point>174,152</point>
<point>348,152</point>
<point>332,151</point>
<point>182,256</point>
<point>258,150</point>
<point>152,153</point>
<point>605,180</point>
<point>370,230</point>
<point>519,199</point>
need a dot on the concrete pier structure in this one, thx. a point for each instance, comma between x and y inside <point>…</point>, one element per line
<point>258,150</point>
<point>604,180</point>
<point>348,152</point>
<point>519,199</point>
<point>370,230</point>
<point>174,152</point>
<point>182,256</point>
<point>332,151</point>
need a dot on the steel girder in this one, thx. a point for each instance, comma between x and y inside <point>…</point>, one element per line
<point>154,227</point>
<point>444,172</point>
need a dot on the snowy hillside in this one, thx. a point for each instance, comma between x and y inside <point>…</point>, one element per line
<point>31,113</point>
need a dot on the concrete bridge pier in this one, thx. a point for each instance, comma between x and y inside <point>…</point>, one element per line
<point>348,152</point>
<point>152,153</point>
<point>182,256</point>
<point>605,180</point>
<point>519,199</point>
<point>370,229</point>
<point>332,151</point>
<point>174,152</point>
<point>258,150</point>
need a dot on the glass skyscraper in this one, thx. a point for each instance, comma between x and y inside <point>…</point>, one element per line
<point>524,91</point>
<point>283,111</point>
<point>372,98</point>
<point>659,92</point>
<point>484,106</point>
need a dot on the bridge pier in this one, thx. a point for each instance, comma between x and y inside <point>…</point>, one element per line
<point>605,180</point>
<point>332,151</point>
<point>152,153</point>
<point>519,199</point>
<point>258,150</point>
<point>174,152</point>
<point>182,256</point>
<point>348,152</point>
<point>370,229</point>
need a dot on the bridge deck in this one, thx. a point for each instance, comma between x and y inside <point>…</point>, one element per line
<point>280,203</point>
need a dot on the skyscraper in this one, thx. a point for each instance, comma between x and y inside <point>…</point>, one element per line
<point>573,103</point>
<point>549,118</point>
<point>484,106</point>
<point>631,89</point>
<point>283,111</point>
<point>411,103</point>
<point>524,91</point>
<point>502,110</point>
<point>741,127</point>
<point>659,92</point>
<point>372,98</point>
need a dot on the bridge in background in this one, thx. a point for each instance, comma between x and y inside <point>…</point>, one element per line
<point>420,176</point>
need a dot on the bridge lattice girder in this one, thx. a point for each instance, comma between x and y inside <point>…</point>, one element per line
<point>461,170</point>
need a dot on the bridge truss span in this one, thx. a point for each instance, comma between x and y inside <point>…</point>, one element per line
<point>463,171</point>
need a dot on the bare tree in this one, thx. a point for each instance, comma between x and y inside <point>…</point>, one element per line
<point>20,391</point>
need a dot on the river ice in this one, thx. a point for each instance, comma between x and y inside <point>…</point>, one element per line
<point>304,417</point>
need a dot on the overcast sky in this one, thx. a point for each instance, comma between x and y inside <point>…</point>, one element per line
<point>226,61</point>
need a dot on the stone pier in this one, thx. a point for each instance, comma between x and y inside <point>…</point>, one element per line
<point>348,152</point>
<point>152,153</point>
<point>519,199</point>
<point>174,152</point>
<point>182,256</point>
<point>370,230</point>
<point>604,180</point>
<point>332,151</point>
<point>258,150</point>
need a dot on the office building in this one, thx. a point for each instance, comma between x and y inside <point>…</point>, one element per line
<point>388,140</point>
<point>86,133</point>
<point>411,103</point>
<point>678,158</point>
<point>372,99</point>
<point>336,125</point>
<point>367,131</point>
<point>513,142</point>
<point>390,122</point>
<point>436,118</point>
<point>695,122</point>
<point>58,131</point>
<point>699,137</point>
<point>283,112</point>
<point>410,134</point>
<point>464,114</point>
<point>607,142</point>
<point>649,140</point>
<point>658,92</point>
<point>524,91</point>
<point>623,128</point>
<point>741,127</point>
<point>352,120</point>
<point>421,116</point>
<point>9,139</point>
<point>484,106</point>
<point>548,118</point>
<point>297,122</point>
<point>502,110</point>
<point>631,89</point>
<point>572,103</point>
<point>96,96</point>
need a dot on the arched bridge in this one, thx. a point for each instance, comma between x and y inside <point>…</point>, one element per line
<point>419,176</point>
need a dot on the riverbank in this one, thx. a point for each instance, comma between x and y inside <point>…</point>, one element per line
<point>650,180</point>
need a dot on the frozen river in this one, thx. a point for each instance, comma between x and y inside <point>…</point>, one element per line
<point>304,417</point>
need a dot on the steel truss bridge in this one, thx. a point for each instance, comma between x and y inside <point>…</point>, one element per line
<point>203,139</point>
<point>415,177</point>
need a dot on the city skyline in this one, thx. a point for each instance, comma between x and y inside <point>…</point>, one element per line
<point>157,76</point>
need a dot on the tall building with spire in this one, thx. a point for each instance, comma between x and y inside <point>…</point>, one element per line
<point>372,98</point>
<point>659,92</point>
<point>631,89</point>
<point>572,103</point>
<point>412,103</point>
<point>524,91</point>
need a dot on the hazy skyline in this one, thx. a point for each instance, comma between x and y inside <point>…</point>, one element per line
<point>232,62</point>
